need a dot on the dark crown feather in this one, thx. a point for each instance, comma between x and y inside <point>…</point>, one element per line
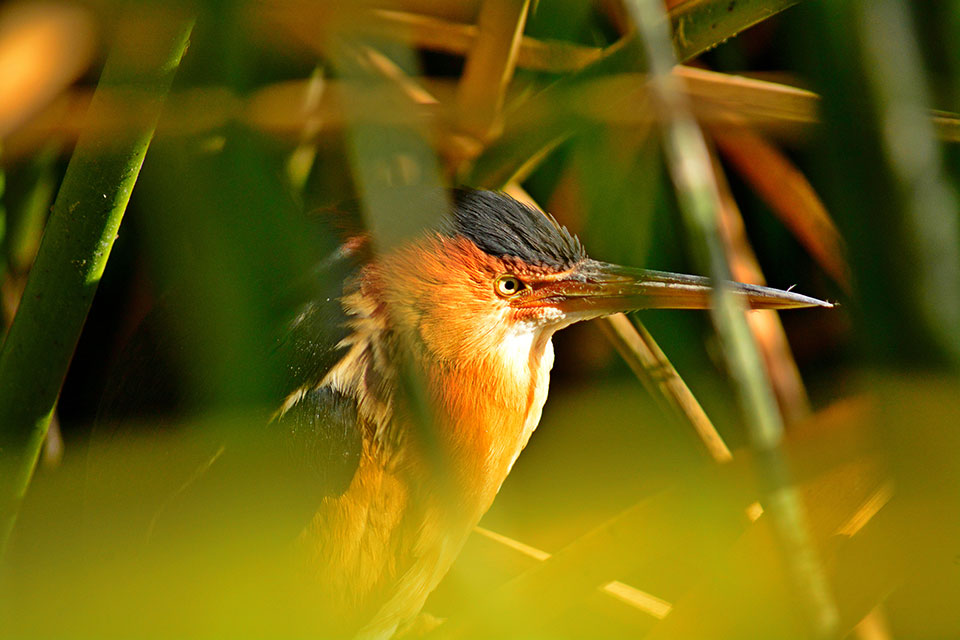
<point>501,226</point>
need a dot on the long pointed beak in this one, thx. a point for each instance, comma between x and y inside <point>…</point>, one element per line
<point>600,288</point>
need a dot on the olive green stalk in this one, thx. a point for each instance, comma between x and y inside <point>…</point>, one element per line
<point>697,193</point>
<point>77,242</point>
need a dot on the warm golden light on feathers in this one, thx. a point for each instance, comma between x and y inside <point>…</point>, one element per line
<point>473,308</point>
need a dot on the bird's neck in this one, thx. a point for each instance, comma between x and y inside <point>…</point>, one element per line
<point>484,404</point>
<point>491,406</point>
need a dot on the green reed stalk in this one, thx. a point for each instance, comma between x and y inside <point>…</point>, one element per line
<point>697,193</point>
<point>77,241</point>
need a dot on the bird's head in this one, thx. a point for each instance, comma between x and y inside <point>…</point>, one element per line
<point>500,272</point>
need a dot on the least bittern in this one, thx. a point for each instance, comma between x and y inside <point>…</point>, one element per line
<point>473,305</point>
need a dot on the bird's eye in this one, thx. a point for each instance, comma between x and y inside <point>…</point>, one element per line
<point>507,286</point>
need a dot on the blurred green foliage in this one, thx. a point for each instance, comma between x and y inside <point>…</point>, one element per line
<point>221,238</point>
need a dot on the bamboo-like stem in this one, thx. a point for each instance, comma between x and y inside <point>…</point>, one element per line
<point>74,251</point>
<point>688,160</point>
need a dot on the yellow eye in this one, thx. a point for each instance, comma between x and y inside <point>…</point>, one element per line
<point>508,286</point>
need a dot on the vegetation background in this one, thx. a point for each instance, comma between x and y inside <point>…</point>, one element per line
<point>815,149</point>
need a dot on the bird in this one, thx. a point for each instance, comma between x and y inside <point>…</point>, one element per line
<point>464,312</point>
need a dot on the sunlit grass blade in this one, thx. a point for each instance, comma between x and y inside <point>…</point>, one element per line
<point>490,65</point>
<point>700,25</point>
